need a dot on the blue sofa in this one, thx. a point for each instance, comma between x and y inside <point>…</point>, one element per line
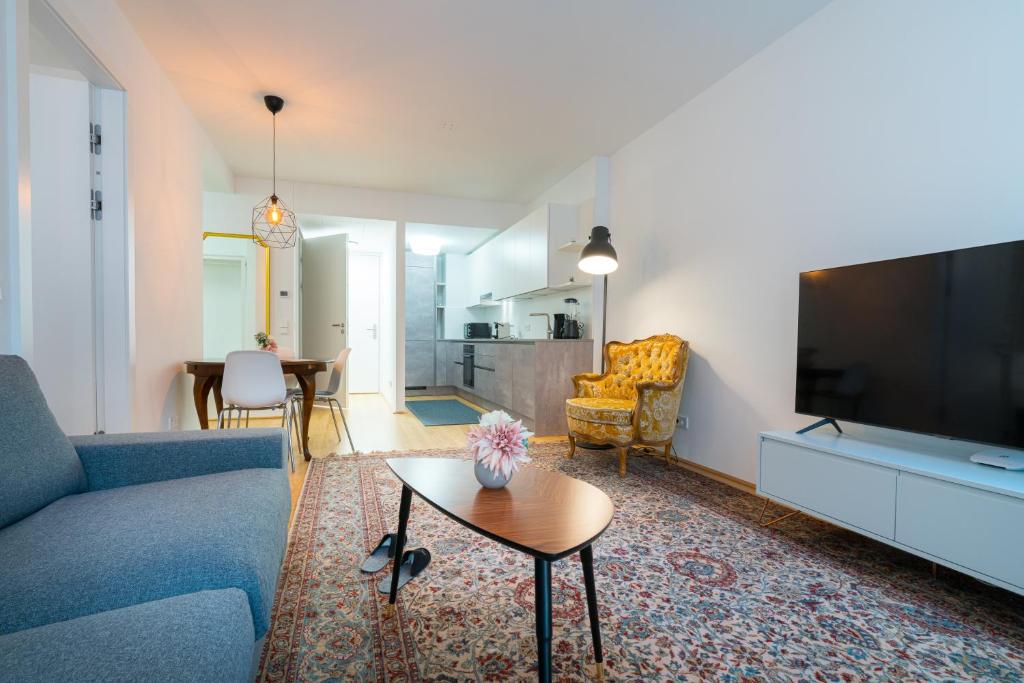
<point>134,556</point>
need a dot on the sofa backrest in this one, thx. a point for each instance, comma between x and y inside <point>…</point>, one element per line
<point>38,464</point>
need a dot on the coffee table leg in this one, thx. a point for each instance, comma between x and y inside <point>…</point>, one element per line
<point>587,558</point>
<point>542,591</point>
<point>403,519</point>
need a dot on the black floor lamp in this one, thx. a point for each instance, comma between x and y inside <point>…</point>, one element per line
<point>599,258</point>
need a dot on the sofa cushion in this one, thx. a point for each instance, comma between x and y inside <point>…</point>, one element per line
<point>38,464</point>
<point>205,636</point>
<point>609,411</point>
<point>107,549</point>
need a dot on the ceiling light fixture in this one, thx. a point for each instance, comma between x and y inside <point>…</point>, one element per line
<point>272,221</point>
<point>425,245</point>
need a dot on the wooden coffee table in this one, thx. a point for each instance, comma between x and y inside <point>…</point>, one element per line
<point>544,514</point>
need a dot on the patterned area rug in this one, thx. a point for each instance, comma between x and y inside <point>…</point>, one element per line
<point>690,588</point>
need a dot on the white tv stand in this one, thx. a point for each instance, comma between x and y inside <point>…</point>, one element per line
<point>927,500</point>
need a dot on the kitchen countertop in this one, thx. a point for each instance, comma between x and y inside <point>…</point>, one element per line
<point>511,341</point>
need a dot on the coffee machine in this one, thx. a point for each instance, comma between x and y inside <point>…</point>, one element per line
<point>568,325</point>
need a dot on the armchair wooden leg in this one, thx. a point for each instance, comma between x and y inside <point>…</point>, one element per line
<point>572,445</point>
<point>622,460</point>
<point>668,453</point>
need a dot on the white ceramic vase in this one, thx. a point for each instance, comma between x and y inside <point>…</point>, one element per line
<point>489,479</point>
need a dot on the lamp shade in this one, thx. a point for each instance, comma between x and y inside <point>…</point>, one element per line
<point>599,257</point>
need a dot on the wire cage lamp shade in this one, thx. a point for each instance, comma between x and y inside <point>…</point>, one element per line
<point>273,223</point>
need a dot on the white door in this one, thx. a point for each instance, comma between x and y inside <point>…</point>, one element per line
<point>224,301</point>
<point>324,300</point>
<point>63,309</point>
<point>364,321</point>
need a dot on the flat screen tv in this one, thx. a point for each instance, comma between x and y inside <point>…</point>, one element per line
<point>931,344</point>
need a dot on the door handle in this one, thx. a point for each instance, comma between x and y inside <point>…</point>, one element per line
<point>373,331</point>
<point>340,326</point>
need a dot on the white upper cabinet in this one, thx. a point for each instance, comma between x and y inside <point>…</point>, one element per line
<point>527,257</point>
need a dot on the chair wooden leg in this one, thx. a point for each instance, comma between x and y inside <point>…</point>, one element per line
<point>622,460</point>
<point>668,453</point>
<point>572,445</point>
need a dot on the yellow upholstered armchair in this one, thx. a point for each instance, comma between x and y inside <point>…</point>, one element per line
<point>635,402</point>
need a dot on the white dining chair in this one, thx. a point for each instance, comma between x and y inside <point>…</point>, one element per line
<point>327,396</point>
<point>253,381</point>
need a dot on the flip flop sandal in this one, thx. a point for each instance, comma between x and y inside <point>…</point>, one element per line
<point>413,564</point>
<point>381,555</point>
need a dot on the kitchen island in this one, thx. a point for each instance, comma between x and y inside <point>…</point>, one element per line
<point>528,378</point>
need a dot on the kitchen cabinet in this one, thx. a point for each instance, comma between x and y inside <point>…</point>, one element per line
<point>454,364</point>
<point>530,380</point>
<point>484,382</point>
<point>420,309</point>
<point>441,364</point>
<point>523,389</point>
<point>527,258</point>
<point>419,363</point>
<point>504,374</point>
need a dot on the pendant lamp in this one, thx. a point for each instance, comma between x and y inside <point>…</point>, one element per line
<point>272,221</point>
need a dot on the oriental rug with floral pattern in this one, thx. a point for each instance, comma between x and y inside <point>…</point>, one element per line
<point>690,588</point>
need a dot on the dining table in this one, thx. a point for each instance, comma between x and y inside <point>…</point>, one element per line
<point>209,376</point>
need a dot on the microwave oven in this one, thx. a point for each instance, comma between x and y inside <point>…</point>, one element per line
<point>478,331</point>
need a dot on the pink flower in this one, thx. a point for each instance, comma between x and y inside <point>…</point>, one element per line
<point>499,443</point>
<point>271,345</point>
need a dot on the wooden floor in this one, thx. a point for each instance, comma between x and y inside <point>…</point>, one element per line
<point>374,427</point>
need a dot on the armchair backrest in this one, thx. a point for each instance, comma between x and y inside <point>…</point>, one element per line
<point>38,464</point>
<point>661,358</point>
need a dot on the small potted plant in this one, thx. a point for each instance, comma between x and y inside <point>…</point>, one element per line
<point>265,342</point>
<point>499,445</point>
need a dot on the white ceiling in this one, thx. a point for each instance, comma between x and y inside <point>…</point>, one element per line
<point>373,235</point>
<point>465,98</point>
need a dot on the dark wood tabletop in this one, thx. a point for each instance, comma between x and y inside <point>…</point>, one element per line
<point>542,513</point>
<point>209,374</point>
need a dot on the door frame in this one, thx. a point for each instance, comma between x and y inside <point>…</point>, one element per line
<point>244,281</point>
<point>112,259</point>
<point>266,268</point>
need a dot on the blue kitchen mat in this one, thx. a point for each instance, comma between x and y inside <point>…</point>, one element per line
<point>443,412</point>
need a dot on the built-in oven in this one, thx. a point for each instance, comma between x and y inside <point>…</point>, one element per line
<point>468,360</point>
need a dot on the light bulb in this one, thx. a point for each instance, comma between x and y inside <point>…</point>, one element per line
<point>598,265</point>
<point>274,213</point>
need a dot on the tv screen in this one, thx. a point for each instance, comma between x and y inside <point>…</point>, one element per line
<point>931,344</point>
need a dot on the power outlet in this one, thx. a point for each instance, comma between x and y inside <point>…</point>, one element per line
<point>173,423</point>
<point>683,422</point>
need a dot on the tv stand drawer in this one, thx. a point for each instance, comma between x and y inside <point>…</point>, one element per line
<point>849,491</point>
<point>968,527</point>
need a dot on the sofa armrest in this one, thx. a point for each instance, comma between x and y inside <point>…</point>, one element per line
<point>582,384</point>
<point>657,408</point>
<point>114,460</point>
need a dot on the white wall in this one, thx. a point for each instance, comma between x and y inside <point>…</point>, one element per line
<point>168,156</point>
<point>873,130</point>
